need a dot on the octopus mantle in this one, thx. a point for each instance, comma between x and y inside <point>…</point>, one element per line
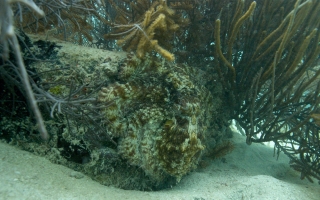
<point>159,114</point>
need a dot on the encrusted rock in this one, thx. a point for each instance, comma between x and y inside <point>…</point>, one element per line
<point>148,121</point>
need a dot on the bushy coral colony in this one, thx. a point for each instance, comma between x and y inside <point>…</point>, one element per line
<point>144,118</point>
<point>146,34</point>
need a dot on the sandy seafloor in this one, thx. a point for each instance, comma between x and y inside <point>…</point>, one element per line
<point>249,172</point>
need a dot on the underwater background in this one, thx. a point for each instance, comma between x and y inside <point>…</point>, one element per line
<point>141,94</point>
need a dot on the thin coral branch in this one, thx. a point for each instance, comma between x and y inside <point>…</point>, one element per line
<point>218,49</point>
<point>8,36</point>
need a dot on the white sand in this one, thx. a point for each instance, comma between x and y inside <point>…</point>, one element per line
<point>250,172</point>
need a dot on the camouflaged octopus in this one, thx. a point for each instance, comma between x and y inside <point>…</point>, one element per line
<point>160,116</point>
